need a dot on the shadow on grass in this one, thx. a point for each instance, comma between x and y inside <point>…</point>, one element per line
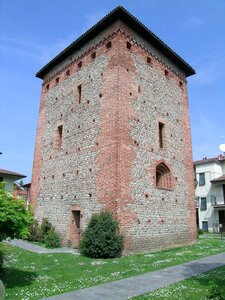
<point>15,278</point>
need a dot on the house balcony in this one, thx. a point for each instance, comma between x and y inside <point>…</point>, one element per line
<point>218,201</point>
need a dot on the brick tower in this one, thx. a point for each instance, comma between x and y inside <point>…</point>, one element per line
<point>114,134</point>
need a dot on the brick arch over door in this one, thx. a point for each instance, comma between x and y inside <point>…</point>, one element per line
<point>163,176</point>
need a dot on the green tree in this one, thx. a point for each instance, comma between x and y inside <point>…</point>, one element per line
<point>14,218</point>
<point>101,239</point>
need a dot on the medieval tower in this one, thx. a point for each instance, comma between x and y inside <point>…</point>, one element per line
<point>114,134</point>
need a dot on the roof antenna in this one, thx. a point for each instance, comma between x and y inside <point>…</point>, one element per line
<point>222,146</point>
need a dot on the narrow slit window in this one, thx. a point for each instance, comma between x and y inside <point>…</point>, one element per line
<point>79,64</point>
<point>59,136</point>
<point>68,73</point>
<point>57,80</point>
<point>79,89</point>
<point>161,135</point>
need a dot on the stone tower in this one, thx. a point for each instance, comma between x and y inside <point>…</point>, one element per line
<point>114,134</point>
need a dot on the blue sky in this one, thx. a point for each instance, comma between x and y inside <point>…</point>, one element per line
<point>33,32</point>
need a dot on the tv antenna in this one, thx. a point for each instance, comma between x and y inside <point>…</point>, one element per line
<point>222,147</point>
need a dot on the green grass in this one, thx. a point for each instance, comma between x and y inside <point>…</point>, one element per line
<point>195,288</point>
<point>28,275</point>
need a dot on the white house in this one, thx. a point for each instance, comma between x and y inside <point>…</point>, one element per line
<point>210,193</point>
<point>9,178</point>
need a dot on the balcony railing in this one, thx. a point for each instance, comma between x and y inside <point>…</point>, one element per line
<point>218,228</point>
<point>217,200</point>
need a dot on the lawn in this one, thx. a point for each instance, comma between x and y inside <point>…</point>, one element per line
<point>195,288</point>
<point>28,275</point>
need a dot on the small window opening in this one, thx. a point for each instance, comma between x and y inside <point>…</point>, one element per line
<point>59,137</point>
<point>139,89</point>
<point>47,87</point>
<point>129,45</point>
<point>181,84</point>
<point>79,93</point>
<point>163,177</point>
<point>108,45</point>
<point>166,73</point>
<point>68,73</point>
<point>149,61</point>
<point>161,135</point>
<point>79,64</point>
<point>93,55</point>
<point>57,80</point>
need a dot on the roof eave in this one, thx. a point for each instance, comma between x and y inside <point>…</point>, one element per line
<point>135,24</point>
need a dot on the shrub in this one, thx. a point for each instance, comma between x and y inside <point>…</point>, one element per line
<point>200,231</point>
<point>45,228</point>
<point>14,218</point>
<point>34,232</point>
<point>44,233</point>
<point>52,239</point>
<point>101,239</point>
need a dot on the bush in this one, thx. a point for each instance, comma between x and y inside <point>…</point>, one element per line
<point>34,232</point>
<point>52,239</point>
<point>14,218</point>
<point>45,228</point>
<point>101,238</point>
<point>44,233</point>
<point>200,231</point>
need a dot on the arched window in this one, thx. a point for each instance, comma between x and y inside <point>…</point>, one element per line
<point>163,177</point>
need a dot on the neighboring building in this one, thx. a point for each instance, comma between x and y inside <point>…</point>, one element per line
<point>19,192</point>
<point>114,134</point>
<point>210,193</point>
<point>27,187</point>
<point>9,178</point>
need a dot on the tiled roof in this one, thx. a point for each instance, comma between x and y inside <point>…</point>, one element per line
<point>119,13</point>
<point>7,172</point>
<point>205,160</point>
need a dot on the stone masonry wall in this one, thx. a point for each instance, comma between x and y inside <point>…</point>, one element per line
<point>110,143</point>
